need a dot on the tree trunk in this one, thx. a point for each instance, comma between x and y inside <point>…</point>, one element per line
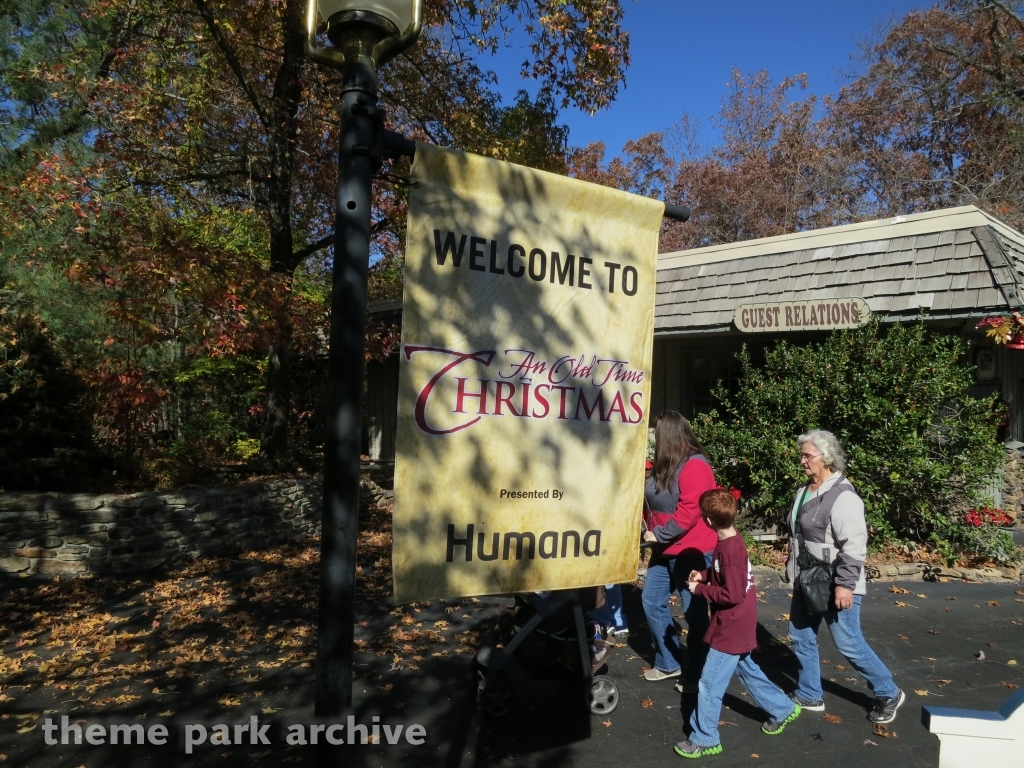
<point>283,259</point>
<point>274,438</point>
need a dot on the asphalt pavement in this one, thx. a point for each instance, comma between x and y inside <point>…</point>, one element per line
<point>930,636</point>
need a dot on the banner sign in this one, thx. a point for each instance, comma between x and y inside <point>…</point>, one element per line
<point>524,383</point>
<point>816,315</point>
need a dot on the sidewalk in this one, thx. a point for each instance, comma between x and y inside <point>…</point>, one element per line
<point>248,651</point>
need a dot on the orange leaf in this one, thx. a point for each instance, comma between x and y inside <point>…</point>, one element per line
<point>647,703</point>
<point>834,719</point>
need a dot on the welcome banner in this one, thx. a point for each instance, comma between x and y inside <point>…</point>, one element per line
<point>524,385</point>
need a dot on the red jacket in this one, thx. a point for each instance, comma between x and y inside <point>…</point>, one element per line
<point>695,477</point>
<point>729,586</point>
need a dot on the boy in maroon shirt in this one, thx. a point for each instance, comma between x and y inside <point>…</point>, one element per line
<point>728,585</point>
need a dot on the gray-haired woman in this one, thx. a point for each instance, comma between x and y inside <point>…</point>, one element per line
<point>828,519</point>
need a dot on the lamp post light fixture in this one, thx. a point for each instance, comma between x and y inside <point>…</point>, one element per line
<point>364,34</point>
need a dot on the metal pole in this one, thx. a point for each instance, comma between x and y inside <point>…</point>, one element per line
<point>346,365</point>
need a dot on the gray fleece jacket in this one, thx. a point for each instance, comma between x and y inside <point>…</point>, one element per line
<point>844,534</point>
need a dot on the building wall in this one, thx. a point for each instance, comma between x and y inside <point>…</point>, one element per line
<point>1010,375</point>
<point>380,410</point>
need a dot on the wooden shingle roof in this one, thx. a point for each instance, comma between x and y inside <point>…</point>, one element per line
<point>956,263</point>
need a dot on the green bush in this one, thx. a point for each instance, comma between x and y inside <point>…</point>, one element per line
<point>918,448</point>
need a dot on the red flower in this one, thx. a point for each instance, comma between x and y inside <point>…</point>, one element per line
<point>987,516</point>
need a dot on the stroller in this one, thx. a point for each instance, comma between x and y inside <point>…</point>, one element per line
<point>544,636</point>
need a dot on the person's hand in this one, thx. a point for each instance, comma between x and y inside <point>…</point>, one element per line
<point>694,576</point>
<point>843,598</point>
<point>649,536</point>
<point>692,585</point>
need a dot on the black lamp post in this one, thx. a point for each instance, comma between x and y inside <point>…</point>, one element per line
<point>364,34</point>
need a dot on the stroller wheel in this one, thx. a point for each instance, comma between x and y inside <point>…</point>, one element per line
<point>603,696</point>
<point>495,697</point>
<point>477,671</point>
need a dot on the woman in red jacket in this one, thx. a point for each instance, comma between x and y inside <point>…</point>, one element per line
<point>683,542</point>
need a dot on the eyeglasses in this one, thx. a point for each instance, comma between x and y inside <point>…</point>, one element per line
<point>809,456</point>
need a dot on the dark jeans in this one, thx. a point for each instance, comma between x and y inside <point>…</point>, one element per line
<point>666,575</point>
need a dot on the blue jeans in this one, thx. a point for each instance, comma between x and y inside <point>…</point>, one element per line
<point>718,669</point>
<point>610,614</point>
<point>844,627</point>
<point>660,583</point>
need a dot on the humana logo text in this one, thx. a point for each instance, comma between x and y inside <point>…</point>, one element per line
<point>527,545</point>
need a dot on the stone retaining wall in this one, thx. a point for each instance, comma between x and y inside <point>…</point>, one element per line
<point>76,534</point>
<point>1013,485</point>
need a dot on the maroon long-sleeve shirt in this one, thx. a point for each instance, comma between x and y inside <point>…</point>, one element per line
<point>728,585</point>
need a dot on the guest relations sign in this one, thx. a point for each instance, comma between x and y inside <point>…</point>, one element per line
<point>813,315</point>
<point>524,384</point>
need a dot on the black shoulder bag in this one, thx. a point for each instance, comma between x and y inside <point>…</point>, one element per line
<point>816,577</point>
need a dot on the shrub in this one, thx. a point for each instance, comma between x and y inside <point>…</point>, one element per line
<point>918,448</point>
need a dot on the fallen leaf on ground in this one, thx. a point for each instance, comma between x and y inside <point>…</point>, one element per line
<point>902,604</point>
<point>921,693</point>
<point>951,598</point>
<point>899,590</point>
<point>932,631</point>
<point>980,655</point>
<point>881,730</point>
<point>1012,663</point>
<point>606,723</point>
<point>942,681</point>
<point>646,703</point>
<point>268,710</point>
<point>168,713</point>
<point>754,754</point>
<point>903,637</point>
<point>1011,686</point>
<point>869,742</point>
<point>923,597</point>
<point>834,719</point>
<point>994,603</point>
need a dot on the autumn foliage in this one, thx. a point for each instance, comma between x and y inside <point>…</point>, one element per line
<point>167,174</point>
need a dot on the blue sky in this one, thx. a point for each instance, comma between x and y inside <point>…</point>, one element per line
<point>683,53</point>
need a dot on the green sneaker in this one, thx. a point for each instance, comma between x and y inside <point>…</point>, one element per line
<point>775,727</point>
<point>689,749</point>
